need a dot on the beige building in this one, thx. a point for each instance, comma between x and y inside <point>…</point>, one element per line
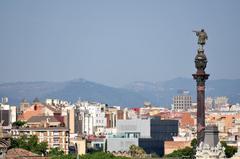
<point>47,129</point>
<point>80,144</point>
<point>71,123</point>
<point>182,102</point>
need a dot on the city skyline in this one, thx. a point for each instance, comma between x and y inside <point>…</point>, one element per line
<point>119,79</point>
<point>115,43</point>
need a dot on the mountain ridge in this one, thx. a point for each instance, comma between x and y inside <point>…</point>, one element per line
<point>131,95</point>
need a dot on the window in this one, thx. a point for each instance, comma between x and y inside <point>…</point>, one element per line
<point>35,107</point>
<point>56,145</point>
<point>55,133</point>
<point>55,140</point>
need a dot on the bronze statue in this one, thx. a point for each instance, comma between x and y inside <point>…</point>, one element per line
<point>202,37</point>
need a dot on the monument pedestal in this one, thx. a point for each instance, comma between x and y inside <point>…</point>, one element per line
<point>204,151</point>
<point>211,148</point>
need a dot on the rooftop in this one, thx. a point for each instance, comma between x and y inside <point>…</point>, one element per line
<point>37,119</point>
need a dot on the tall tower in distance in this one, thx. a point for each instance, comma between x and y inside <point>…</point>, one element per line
<point>200,76</point>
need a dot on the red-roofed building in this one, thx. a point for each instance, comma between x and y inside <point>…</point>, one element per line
<point>36,109</point>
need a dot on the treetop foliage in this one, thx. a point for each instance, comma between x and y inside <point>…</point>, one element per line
<point>29,143</point>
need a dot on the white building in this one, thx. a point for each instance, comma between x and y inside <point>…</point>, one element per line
<point>134,128</point>
<point>93,117</point>
<point>7,114</point>
<point>56,102</point>
<point>209,103</point>
<point>13,116</point>
<point>220,102</point>
<point>12,111</point>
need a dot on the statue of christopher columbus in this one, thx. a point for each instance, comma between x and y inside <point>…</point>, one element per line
<point>202,37</point>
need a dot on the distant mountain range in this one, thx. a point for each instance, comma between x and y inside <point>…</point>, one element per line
<point>131,95</point>
<point>162,92</point>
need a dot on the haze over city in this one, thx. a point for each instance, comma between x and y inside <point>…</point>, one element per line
<point>119,79</point>
<point>116,42</point>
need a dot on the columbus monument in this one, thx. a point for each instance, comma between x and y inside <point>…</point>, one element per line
<point>200,76</point>
<point>208,145</point>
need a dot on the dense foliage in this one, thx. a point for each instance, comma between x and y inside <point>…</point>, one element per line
<point>101,155</point>
<point>96,155</point>
<point>29,143</point>
<point>55,152</point>
<point>229,150</point>
<point>187,152</point>
<point>19,123</point>
<point>191,151</point>
<point>136,151</point>
<point>69,156</point>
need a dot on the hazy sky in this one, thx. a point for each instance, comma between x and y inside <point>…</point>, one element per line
<point>116,42</point>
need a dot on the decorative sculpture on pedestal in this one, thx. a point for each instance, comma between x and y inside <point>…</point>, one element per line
<point>210,147</point>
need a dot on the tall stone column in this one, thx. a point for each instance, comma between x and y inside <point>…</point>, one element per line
<point>200,76</point>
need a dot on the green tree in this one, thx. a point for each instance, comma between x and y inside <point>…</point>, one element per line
<point>187,152</point>
<point>136,151</point>
<point>69,156</point>
<point>55,152</point>
<point>194,147</point>
<point>19,123</point>
<point>14,143</point>
<point>41,148</point>
<point>32,142</point>
<point>101,155</point>
<point>21,142</point>
<point>29,143</point>
<point>229,150</point>
<point>194,143</point>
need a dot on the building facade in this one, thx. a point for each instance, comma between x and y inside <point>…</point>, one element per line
<point>47,129</point>
<point>7,114</point>
<point>148,133</point>
<point>92,118</point>
<point>55,137</point>
<point>182,102</point>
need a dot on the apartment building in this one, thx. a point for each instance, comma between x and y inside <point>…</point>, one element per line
<point>92,117</point>
<point>7,113</point>
<point>37,109</point>
<point>182,102</point>
<point>220,102</point>
<point>48,129</point>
